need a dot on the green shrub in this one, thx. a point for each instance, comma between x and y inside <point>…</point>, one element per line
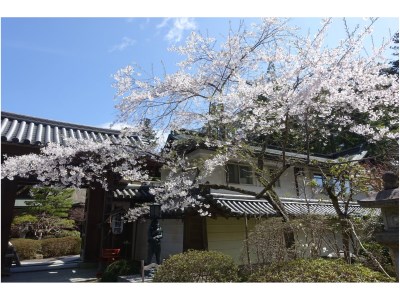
<point>197,266</point>
<point>26,248</point>
<point>24,219</point>
<point>120,268</point>
<point>317,270</point>
<point>63,233</point>
<point>61,246</point>
<point>380,253</point>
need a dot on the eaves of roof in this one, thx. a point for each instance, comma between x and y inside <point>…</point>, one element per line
<point>21,129</point>
<point>240,205</point>
<point>319,158</point>
<point>133,192</point>
<point>355,153</point>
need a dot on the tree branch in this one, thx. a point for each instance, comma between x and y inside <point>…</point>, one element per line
<point>370,255</point>
<point>270,198</point>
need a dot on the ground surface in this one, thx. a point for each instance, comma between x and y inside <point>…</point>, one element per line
<point>63,269</point>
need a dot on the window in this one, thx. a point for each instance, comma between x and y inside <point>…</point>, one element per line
<point>319,180</point>
<point>239,174</point>
<point>338,186</point>
<point>117,224</point>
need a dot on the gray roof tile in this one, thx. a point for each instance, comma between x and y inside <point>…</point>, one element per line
<point>238,205</point>
<point>132,192</point>
<point>29,130</point>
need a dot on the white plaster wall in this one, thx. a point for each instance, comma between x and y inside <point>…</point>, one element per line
<point>330,244</point>
<point>171,243</point>
<point>325,247</point>
<point>227,235</point>
<point>287,187</point>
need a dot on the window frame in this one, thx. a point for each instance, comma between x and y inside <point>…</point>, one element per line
<point>237,169</point>
<point>324,178</point>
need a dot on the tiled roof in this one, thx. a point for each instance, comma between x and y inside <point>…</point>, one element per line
<point>243,204</point>
<point>355,153</point>
<point>133,192</point>
<point>28,130</point>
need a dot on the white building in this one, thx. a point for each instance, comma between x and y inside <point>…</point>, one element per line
<point>234,213</point>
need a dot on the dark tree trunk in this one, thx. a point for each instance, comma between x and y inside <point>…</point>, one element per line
<point>344,224</point>
<point>346,238</point>
<point>288,235</point>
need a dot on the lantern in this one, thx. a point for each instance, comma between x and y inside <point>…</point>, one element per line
<point>155,211</point>
<point>117,225</point>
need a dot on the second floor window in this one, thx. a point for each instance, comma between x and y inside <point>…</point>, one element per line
<point>239,174</point>
<point>320,180</point>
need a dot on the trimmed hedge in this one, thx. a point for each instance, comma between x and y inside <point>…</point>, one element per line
<point>63,233</point>
<point>61,246</point>
<point>28,248</point>
<point>317,270</point>
<point>120,268</point>
<point>197,266</point>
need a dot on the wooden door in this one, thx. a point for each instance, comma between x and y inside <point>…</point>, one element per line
<point>194,233</point>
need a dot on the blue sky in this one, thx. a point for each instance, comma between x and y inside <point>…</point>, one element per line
<point>61,68</point>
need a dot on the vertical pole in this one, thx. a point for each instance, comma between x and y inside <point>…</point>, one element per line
<point>142,269</point>
<point>247,239</point>
<point>135,240</point>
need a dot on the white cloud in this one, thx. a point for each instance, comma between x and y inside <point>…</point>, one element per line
<point>179,25</point>
<point>115,126</point>
<point>163,23</point>
<point>126,42</point>
<point>161,135</point>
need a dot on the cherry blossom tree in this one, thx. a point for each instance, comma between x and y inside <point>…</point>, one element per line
<point>80,163</point>
<point>265,84</point>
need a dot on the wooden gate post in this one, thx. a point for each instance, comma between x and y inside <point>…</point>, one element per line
<point>8,194</point>
<point>92,239</point>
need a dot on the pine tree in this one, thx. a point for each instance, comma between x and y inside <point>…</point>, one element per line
<point>47,214</point>
<point>148,132</point>
<point>50,201</point>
